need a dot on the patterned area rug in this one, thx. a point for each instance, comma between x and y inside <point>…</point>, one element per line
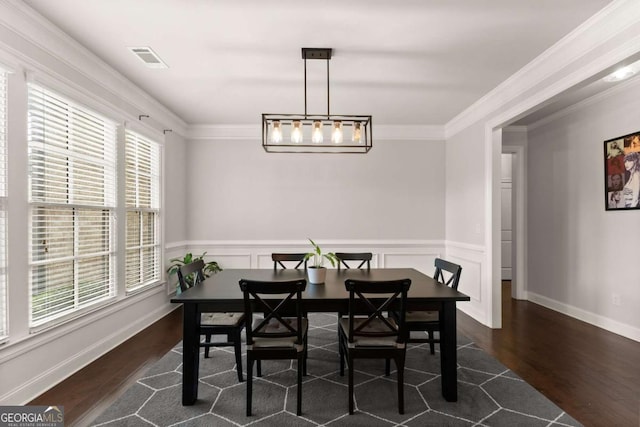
<point>489,394</point>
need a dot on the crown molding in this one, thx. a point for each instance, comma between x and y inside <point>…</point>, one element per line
<point>25,23</point>
<point>599,97</point>
<point>380,132</point>
<point>611,21</point>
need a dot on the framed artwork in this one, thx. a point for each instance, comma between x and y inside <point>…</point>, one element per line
<point>622,172</point>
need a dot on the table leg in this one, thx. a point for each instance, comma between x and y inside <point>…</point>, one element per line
<point>190,354</point>
<point>448,356</point>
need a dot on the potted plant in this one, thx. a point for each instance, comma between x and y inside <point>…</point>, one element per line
<point>210,268</point>
<point>317,272</point>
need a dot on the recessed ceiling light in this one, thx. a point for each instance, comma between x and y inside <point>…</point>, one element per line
<point>148,56</point>
<point>622,73</point>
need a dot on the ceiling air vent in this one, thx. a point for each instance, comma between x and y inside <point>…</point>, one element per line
<point>148,56</point>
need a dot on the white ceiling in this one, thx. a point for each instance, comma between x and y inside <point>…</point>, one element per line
<point>404,62</point>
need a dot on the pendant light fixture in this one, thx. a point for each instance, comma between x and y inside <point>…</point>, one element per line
<point>316,133</point>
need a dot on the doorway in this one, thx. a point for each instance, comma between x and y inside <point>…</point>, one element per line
<point>513,220</point>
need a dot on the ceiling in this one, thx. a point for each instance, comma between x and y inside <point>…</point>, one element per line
<point>416,62</point>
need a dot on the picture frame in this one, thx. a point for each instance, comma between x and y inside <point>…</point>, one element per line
<point>622,172</point>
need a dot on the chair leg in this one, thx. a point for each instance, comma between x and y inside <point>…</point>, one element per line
<point>249,383</point>
<point>387,367</point>
<point>301,361</point>
<point>400,365</point>
<point>238,350</point>
<point>304,363</point>
<point>432,345</point>
<point>341,352</point>
<point>206,349</point>
<point>350,385</point>
<point>259,367</point>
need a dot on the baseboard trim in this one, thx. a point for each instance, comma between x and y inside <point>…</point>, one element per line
<point>606,323</point>
<point>61,371</point>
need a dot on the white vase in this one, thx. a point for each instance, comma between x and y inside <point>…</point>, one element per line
<point>317,275</point>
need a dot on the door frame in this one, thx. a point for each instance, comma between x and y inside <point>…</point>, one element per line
<point>519,220</point>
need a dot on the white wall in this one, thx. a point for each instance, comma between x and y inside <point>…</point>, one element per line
<point>580,254</point>
<point>237,191</point>
<point>33,361</point>
<point>175,185</point>
<point>465,217</point>
<point>473,142</point>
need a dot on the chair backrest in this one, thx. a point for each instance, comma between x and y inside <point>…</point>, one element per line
<point>278,260</point>
<point>453,269</point>
<point>370,300</point>
<point>274,310</point>
<point>364,257</point>
<point>190,274</point>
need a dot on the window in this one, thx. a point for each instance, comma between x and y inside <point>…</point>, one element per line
<point>72,177</point>
<point>143,210</point>
<point>3,204</point>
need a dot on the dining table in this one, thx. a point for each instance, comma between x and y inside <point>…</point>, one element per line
<point>221,293</point>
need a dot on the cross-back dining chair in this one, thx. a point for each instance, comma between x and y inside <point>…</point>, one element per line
<point>279,259</point>
<point>229,324</point>
<point>368,334</point>
<point>275,336</point>
<point>363,257</point>
<point>448,274</point>
<point>365,262</point>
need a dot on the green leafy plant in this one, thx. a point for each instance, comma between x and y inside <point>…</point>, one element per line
<point>210,267</point>
<point>319,257</point>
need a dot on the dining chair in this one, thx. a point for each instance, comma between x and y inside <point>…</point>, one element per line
<point>275,336</point>
<point>279,259</point>
<point>374,335</point>
<point>229,324</point>
<point>448,274</point>
<point>363,257</point>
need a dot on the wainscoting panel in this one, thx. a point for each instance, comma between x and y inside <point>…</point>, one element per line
<point>418,254</point>
<point>422,262</point>
<point>230,260</point>
<point>472,260</point>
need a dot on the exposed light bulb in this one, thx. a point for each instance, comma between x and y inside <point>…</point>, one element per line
<point>276,132</point>
<point>317,132</point>
<point>357,133</point>
<point>296,132</point>
<point>336,136</point>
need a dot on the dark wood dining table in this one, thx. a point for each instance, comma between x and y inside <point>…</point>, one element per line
<point>221,293</point>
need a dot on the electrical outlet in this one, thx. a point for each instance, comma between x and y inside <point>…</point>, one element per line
<point>615,299</point>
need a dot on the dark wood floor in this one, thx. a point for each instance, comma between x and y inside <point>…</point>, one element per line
<point>592,374</point>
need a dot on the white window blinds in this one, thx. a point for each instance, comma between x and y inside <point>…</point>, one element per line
<point>3,204</point>
<point>143,209</point>
<point>72,181</point>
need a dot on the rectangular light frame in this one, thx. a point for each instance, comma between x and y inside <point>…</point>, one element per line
<point>307,146</point>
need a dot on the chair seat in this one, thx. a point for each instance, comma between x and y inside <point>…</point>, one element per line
<point>221,319</point>
<point>276,328</point>
<point>422,316</point>
<point>376,325</point>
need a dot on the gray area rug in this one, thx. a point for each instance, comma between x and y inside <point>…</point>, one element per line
<point>489,394</point>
